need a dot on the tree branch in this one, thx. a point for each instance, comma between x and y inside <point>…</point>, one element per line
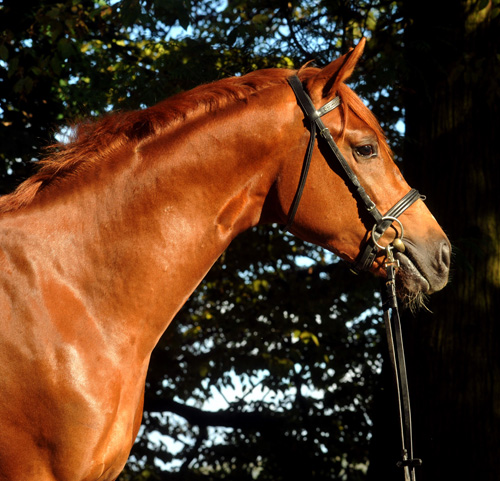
<point>226,418</point>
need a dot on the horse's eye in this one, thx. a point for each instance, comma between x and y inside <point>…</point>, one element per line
<point>365,151</point>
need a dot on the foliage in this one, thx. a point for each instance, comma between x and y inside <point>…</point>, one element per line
<point>64,61</point>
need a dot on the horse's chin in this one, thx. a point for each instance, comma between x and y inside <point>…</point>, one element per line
<point>412,285</point>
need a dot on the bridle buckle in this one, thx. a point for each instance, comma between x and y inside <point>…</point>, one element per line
<point>390,261</point>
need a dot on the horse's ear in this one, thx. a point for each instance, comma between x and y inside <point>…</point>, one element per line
<point>324,84</point>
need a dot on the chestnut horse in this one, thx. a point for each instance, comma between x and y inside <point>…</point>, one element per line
<point>103,245</point>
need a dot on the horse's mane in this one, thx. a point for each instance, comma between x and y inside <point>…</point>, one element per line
<point>92,141</point>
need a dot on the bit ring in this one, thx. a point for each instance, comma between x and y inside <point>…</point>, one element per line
<point>393,219</point>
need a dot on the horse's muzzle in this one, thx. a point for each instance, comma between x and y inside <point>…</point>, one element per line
<point>426,269</point>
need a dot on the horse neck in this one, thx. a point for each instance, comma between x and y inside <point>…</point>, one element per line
<point>133,247</point>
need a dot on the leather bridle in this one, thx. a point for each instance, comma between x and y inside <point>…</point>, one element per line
<point>367,257</point>
<point>382,222</point>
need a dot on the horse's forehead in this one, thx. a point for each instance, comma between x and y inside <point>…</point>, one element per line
<point>359,128</point>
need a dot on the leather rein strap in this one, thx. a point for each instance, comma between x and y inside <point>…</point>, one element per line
<point>397,355</point>
<point>367,256</point>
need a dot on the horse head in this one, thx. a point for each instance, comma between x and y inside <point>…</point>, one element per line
<point>354,189</point>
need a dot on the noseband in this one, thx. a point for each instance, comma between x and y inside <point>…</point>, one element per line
<point>367,257</point>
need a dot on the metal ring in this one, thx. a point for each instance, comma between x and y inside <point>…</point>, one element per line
<point>393,219</point>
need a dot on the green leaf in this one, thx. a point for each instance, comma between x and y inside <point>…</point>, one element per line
<point>65,48</point>
<point>55,64</point>
<point>4,52</point>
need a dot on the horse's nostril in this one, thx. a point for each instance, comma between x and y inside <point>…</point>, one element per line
<point>445,255</point>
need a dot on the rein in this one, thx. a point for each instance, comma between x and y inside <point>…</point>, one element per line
<point>367,256</point>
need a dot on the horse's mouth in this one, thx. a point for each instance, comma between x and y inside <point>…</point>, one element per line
<point>413,283</point>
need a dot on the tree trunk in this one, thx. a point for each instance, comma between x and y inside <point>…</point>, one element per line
<point>452,121</point>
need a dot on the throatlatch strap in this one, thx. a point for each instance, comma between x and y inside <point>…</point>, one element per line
<point>303,177</point>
